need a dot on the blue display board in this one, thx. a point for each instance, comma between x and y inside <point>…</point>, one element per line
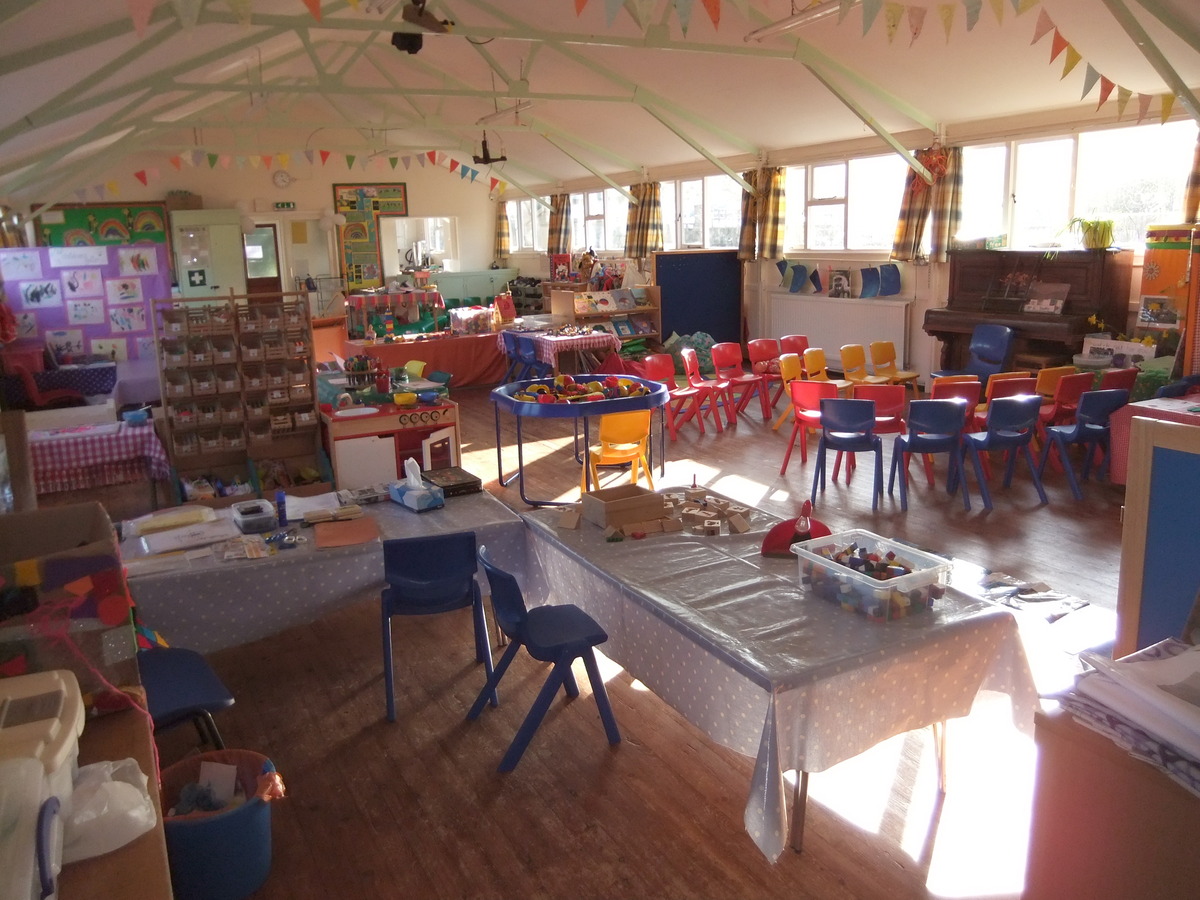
<point>1171,577</point>
<point>701,291</point>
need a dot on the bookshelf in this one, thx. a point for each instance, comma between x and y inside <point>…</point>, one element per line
<point>640,306</point>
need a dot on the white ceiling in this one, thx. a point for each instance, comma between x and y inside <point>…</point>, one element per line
<point>81,90</point>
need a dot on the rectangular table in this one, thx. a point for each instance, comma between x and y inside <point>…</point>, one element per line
<point>550,346</point>
<point>470,358</point>
<point>208,607</point>
<point>1170,409</point>
<point>88,456</point>
<point>734,643</point>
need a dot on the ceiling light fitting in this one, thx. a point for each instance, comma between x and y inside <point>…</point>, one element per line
<point>799,20</point>
<point>502,113</point>
<point>486,158</point>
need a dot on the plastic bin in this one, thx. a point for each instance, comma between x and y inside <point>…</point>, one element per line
<point>222,855</point>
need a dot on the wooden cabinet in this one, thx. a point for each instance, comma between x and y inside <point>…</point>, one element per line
<point>640,307</point>
<point>237,383</point>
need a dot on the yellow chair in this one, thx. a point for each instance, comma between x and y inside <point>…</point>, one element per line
<point>814,369</point>
<point>791,368</point>
<point>1048,379</point>
<point>854,366</point>
<point>415,368</point>
<point>624,438</point>
<point>883,361</point>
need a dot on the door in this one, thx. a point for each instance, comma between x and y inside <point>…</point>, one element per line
<point>262,261</point>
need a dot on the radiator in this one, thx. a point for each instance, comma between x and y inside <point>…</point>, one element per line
<point>830,322</point>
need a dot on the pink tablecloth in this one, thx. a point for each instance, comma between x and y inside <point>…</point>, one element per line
<point>470,358</point>
<point>1170,409</point>
<point>95,455</point>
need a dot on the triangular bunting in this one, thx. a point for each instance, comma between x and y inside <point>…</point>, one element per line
<point>1090,77</point>
<point>683,9</point>
<point>283,159</point>
<point>870,10</point>
<point>239,161</point>
<point>187,11</point>
<point>81,195</point>
<point>579,5</point>
<point>1024,6</point>
<point>240,10</point>
<point>1106,88</point>
<point>1143,106</point>
<point>1057,45</point>
<point>432,154</point>
<point>441,157</point>
<point>1123,95</point>
<point>492,182</point>
<point>310,156</point>
<point>503,187</point>
<point>421,160</point>
<point>1043,27</point>
<point>177,162</point>
<point>407,160</point>
<point>1168,102</point>
<point>139,14</point>
<point>844,7</point>
<point>916,22</point>
<point>474,175</point>
<point>462,173</point>
<point>350,161</point>
<point>1070,62</point>
<point>314,8</point>
<point>226,160</point>
<point>453,164</point>
<point>998,9</point>
<point>267,160</point>
<point>972,7</point>
<point>393,160</point>
<point>892,12</point>
<point>197,158</point>
<point>98,190</point>
<point>324,157</point>
<point>113,188</point>
<point>154,174</point>
<point>213,159</point>
<point>141,176</point>
<point>713,8</point>
<point>255,161</point>
<point>946,14</point>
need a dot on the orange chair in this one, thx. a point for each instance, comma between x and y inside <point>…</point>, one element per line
<point>36,398</point>
<point>624,438</point>
<point>806,403</point>
<point>727,359</point>
<point>1118,379</point>
<point>814,369</point>
<point>764,355</point>
<point>684,403</point>
<point>1048,379</point>
<point>854,366</point>
<point>790,369</point>
<point>883,361</point>
<point>715,390</point>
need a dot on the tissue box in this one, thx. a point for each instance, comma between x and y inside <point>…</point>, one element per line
<point>419,498</point>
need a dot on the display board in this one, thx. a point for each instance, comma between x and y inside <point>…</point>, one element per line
<point>701,291</point>
<point>362,205</point>
<point>86,299</point>
<point>104,224</point>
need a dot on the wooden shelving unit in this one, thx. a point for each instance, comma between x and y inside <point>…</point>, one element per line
<point>238,384</point>
<point>584,308</point>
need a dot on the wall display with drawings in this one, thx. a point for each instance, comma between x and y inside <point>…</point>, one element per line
<point>85,298</point>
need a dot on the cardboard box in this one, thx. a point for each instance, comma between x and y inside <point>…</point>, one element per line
<point>619,506</point>
<point>67,605</point>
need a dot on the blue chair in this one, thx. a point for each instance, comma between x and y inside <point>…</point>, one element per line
<point>1010,426</point>
<point>182,687</point>
<point>427,575</point>
<point>934,426</point>
<point>990,352</point>
<point>1090,429</point>
<point>1178,388</point>
<point>849,426</point>
<point>512,355</point>
<point>557,634</point>
<point>532,366</point>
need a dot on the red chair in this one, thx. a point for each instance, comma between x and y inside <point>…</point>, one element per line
<point>35,398</point>
<point>764,355</point>
<point>889,410</point>
<point>806,406</point>
<point>727,359</point>
<point>1118,380</point>
<point>1001,387</point>
<point>1061,408</point>
<point>793,343</point>
<point>717,389</point>
<point>685,403</point>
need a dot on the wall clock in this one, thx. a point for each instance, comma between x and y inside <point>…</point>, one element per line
<point>282,178</point>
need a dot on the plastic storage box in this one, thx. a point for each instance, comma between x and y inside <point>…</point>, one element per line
<point>880,599</point>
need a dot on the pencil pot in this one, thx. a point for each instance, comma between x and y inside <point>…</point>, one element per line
<point>225,854</point>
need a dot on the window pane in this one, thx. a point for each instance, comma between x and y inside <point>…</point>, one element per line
<point>667,199</point>
<point>691,213</point>
<point>827,227</point>
<point>795,189</point>
<point>595,203</point>
<point>876,184</point>
<point>513,210</point>
<point>578,230</point>
<point>616,218</point>
<point>260,253</point>
<point>829,182</point>
<point>1043,192</point>
<point>526,225</point>
<point>984,196</point>
<point>1134,176</point>
<point>541,225</point>
<point>722,211</point>
<point>595,234</point>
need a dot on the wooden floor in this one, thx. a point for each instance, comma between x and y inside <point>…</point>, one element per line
<point>416,808</point>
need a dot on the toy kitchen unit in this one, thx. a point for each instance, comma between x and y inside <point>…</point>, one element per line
<point>368,445</point>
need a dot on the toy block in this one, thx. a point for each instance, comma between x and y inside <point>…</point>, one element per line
<point>738,524</point>
<point>671,526</point>
<point>695,517</point>
<point>711,527</point>
<point>675,497</point>
<point>734,509</point>
<point>612,533</point>
<point>570,518</point>
<point>697,493</point>
<point>653,526</point>
<point>718,504</point>
<point>630,528</point>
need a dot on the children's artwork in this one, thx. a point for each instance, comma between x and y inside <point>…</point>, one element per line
<point>1157,312</point>
<point>889,280</point>
<point>127,318</point>
<point>137,261</point>
<point>114,348</point>
<point>145,347</point>
<point>839,283</point>
<point>85,312</point>
<point>19,265</point>
<point>870,282</point>
<point>123,290</point>
<point>27,326</point>
<point>41,294</point>
<point>82,283</point>
<point>64,342</point>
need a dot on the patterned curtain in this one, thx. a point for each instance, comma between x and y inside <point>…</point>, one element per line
<point>943,198</point>
<point>1191,196</point>
<point>559,238</point>
<point>762,215</point>
<point>502,235</point>
<point>644,227</point>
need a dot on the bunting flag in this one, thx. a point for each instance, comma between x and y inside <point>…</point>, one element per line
<point>324,157</point>
<point>350,161</point>
<point>453,164</point>
<point>916,23</point>
<point>683,9</point>
<point>141,176</point>
<point>283,159</point>
<point>98,190</point>
<point>393,160</point>
<point>421,160</point>
<point>139,14</point>
<point>197,158</point>
<point>611,8</point>
<point>310,156</point>
<point>314,8</point>
<point>81,195</point>
<point>187,11</point>
<point>1106,88</point>
<point>1143,106</point>
<point>1090,77</point>
<point>1043,27</point>
<point>492,182</point>
<point>177,162</point>
<point>266,161</point>
<point>226,160</point>
<point>1168,101</point>
<point>407,160</point>
<point>844,7</point>
<point>1123,97</point>
<point>946,14</point>
<point>1070,62</point>
<point>870,10</point>
<point>432,154</point>
<point>579,5</point>
<point>113,188</point>
<point>213,159</point>
<point>998,9</point>
<point>973,8</point>
<point>713,8</point>
<point>254,161</point>
<point>892,13</point>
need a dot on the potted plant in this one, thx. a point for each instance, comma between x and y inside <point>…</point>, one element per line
<point>1097,234</point>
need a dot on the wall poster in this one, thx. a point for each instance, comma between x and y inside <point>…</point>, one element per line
<point>358,242</point>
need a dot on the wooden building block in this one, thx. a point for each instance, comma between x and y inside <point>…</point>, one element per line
<point>711,527</point>
<point>612,533</point>
<point>670,526</point>
<point>697,493</point>
<point>735,510</point>
<point>738,524</point>
<point>570,517</point>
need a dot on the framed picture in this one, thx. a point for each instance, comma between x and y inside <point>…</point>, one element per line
<point>1157,312</point>
<point>624,328</point>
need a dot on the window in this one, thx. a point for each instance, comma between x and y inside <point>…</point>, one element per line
<point>701,212</point>
<point>598,221</point>
<point>844,205</point>
<point>528,224</point>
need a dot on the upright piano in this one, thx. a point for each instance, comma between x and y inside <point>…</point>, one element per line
<point>992,286</point>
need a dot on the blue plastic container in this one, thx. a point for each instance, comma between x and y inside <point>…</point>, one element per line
<point>223,855</point>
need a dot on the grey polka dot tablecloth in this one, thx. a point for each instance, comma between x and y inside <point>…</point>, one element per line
<point>731,640</point>
<point>213,605</point>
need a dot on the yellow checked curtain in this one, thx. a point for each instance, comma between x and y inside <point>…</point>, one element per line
<point>940,203</point>
<point>501,249</point>
<point>643,225</point>
<point>762,215</point>
<point>1191,196</point>
<point>558,240</point>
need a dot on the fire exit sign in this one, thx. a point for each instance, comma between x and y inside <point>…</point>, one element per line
<point>285,204</point>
